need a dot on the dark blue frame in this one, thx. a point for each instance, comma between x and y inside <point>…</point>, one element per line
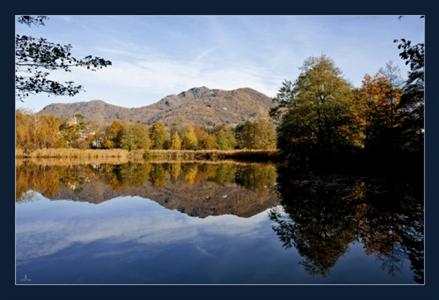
<point>7,179</point>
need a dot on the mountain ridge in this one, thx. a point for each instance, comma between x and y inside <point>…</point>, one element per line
<point>196,106</point>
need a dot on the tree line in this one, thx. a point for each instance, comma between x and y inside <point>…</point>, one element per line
<point>35,131</point>
<point>321,117</point>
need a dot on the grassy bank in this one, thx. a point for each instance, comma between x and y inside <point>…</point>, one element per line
<point>171,155</point>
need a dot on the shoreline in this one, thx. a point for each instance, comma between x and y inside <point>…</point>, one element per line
<point>147,155</point>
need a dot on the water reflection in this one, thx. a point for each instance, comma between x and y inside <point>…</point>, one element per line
<point>318,220</point>
<point>198,189</point>
<point>323,215</point>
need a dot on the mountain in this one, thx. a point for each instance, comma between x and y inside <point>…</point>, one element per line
<point>197,106</point>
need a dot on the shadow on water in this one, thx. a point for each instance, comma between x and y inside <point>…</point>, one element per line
<point>323,215</point>
<point>320,216</point>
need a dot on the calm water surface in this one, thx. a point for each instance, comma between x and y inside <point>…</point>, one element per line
<point>213,223</point>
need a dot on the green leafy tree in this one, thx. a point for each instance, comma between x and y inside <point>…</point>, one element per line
<point>35,58</point>
<point>135,136</point>
<point>159,136</point>
<point>244,133</point>
<point>225,138</point>
<point>320,113</point>
<point>260,134</point>
<point>282,100</point>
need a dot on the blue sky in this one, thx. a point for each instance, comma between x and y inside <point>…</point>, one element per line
<point>155,56</point>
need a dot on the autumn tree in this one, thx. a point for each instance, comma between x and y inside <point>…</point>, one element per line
<point>135,136</point>
<point>34,131</point>
<point>176,141</point>
<point>190,140</point>
<point>209,142</point>
<point>319,113</point>
<point>159,136</point>
<point>205,139</point>
<point>112,135</point>
<point>377,99</point>
<point>22,130</point>
<point>225,138</point>
<point>35,58</point>
<point>47,132</point>
<point>260,134</point>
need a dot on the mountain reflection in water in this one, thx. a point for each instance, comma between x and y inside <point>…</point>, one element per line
<point>195,189</point>
<point>324,219</point>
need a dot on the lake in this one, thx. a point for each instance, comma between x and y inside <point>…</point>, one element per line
<point>213,223</point>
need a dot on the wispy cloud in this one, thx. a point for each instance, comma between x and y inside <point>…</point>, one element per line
<point>154,56</point>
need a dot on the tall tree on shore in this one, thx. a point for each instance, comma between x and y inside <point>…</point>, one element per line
<point>377,99</point>
<point>320,113</point>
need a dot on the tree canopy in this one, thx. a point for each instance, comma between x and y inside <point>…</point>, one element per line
<point>259,134</point>
<point>159,136</point>
<point>320,111</point>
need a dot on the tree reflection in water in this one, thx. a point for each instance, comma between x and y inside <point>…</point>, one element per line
<point>323,215</point>
<point>197,189</point>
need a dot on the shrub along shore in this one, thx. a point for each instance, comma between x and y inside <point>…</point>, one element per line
<point>125,155</point>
